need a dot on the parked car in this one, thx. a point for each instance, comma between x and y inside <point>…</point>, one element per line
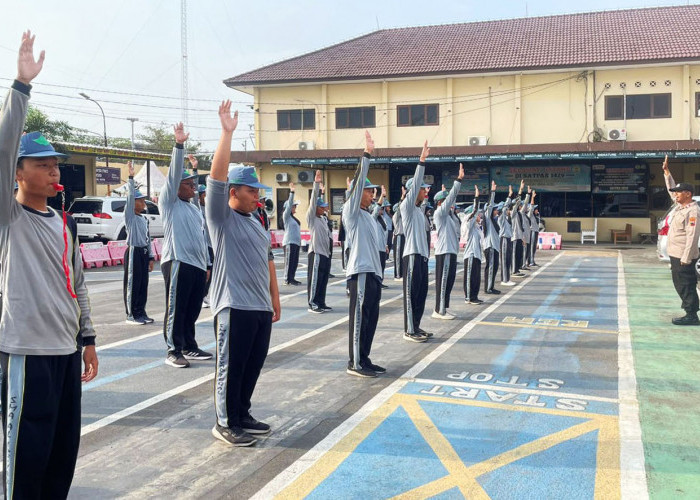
<point>662,234</point>
<point>102,217</point>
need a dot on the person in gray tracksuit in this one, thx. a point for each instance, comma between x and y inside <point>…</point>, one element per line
<point>416,253</point>
<point>292,238</point>
<point>185,259</point>
<point>446,248</point>
<point>389,221</point>
<point>505,234</point>
<point>138,258</point>
<point>534,230</point>
<point>492,242</point>
<point>518,233</point>
<point>399,242</point>
<point>45,323</point>
<point>525,218</point>
<point>364,270</point>
<point>319,250</point>
<point>471,233</point>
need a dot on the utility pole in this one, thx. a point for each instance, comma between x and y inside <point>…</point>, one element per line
<point>183,45</point>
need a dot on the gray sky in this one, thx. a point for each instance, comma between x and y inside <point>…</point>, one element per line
<point>126,53</point>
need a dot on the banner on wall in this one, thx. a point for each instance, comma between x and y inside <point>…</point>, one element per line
<point>564,178</point>
<point>619,178</point>
<point>472,176</point>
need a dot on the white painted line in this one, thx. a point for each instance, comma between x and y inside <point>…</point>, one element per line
<point>110,419</point>
<point>633,480</point>
<point>517,390</point>
<point>301,465</point>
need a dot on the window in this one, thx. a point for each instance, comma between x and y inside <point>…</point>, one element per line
<point>152,208</point>
<point>638,106</point>
<point>355,117</point>
<point>697,103</point>
<point>418,115</point>
<point>296,119</point>
<point>118,206</point>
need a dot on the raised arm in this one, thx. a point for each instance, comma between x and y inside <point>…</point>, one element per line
<point>222,155</point>
<point>354,194</point>
<point>311,212</point>
<point>452,195</point>
<point>288,207</point>
<point>670,183</point>
<point>168,194</point>
<point>129,214</point>
<point>12,116</point>
<point>412,195</point>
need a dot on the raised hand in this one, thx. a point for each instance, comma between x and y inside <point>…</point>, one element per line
<point>130,168</point>
<point>425,152</point>
<point>664,166</point>
<point>383,191</point>
<point>180,135</point>
<point>444,188</point>
<point>493,185</point>
<point>319,177</point>
<point>510,191</point>
<point>476,191</point>
<point>193,161</point>
<point>323,188</point>
<point>291,187</point>
<point>522,185</point>
<point>27,67</point>
<point>228,123</point>
<point>460,176</point>
<point>347,182</point>
<point>369,143</point>
<point>529,190</point>
<point>534,193</point>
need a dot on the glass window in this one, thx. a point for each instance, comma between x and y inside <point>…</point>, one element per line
<point>86,207</point>
<point>404,113</point>
<point>418,115</point>
<point>361,117</point>
<point>613,107</point>
<point>152,208</point>
<point>118,205</point>
<point>641,106</point>
<point>620,205</point>
<point>291,119</point>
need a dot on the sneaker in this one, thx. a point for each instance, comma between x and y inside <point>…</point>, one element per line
<point>361,372</point>
<point>326,308</point>
<point>534,265</point>
<point>253,426</point>
<point>330,275</point>
<point>517,275</point>
<point>316,309</point>
<point>508,283</point>
<point>414,337</point>
<point>447,315</point>
<point>147,319</point>
<point>424,333</point>
<point>398,279</point>
<point>376,368</point>
<point>296,283</point>
<point>475,302</point>
<point>688,319</point>
<point>197,354</point>
<point>134,321</point>
<point>384,287</point>
<point>234,436</point>
<point>493,292</point>
<point>176,361</point>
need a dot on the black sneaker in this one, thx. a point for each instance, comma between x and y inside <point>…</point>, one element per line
<point>361,372</point>
<point>326,308</point>
<point>176,361</point>
<point>688,319</point>
<point>295,282</point>
<point>252,426</point>
<point>424,333</point>
<point>376,368</point>
<point>384,287</point>
<point>415,337</point>
<point>147,319</point>
<point>234,436</point>
<point>316,309</point>
<point>134,321</point>
<point>330,275</point>
<point>197,354</point>
<point>518,274</point>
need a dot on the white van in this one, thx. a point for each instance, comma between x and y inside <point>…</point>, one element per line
<point>102,217</point>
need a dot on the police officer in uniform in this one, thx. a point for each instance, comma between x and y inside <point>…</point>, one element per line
<point>683,247</point>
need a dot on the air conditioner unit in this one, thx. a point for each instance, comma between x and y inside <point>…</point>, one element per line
<point>477,140</point>
<point>617,134</point>
<point>282,177</point>
<point>306,176</point>
<point>306,145</point>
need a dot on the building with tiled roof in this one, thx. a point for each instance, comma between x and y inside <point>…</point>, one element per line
<point>604,94</point>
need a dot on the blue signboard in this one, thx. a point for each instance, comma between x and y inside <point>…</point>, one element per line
<point>472,176</point>
<point>564,178</point>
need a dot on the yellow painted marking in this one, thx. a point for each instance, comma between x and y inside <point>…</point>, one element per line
<point>560,328</point>
<point>607,479</point>
<point>323,468</point>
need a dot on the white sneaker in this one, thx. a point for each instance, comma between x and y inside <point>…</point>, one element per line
<point>205,303</point>
<point>398,279</point>
<point>508,283</point>
<point>447,315</point>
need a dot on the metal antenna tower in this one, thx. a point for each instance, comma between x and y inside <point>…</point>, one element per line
<point>183,42</point>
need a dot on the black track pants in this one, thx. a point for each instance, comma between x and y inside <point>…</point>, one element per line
<point>184,292</point>
<point>365,295</point>
<point>415,291</point>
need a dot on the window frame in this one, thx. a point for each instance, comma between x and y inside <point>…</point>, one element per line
<point>281,113</point>
<point>363,109</point>
<point>651,97</point>
<point>410,108</point>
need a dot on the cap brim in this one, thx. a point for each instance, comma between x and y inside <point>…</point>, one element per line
<point>678,190</point>
<point>426,185</point>
<point>140,197</point>
<point>45,154</point>
<point>188,177</point>
<point>371,186</point>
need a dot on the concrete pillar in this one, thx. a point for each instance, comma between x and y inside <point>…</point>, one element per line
<point>384,119</point>
<point>448,115</point>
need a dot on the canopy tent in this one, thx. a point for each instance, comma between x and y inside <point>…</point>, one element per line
<point>141,180</point>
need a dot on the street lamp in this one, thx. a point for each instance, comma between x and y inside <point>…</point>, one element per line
<point>104,121</point>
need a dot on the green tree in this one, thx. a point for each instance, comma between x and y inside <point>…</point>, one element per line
<point>160,138</point>
<point>54,130</point>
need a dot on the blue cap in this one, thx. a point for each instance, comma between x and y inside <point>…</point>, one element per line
<point>469,209</point>
<point>440,196</point>
<point>367,185</point>
<point>186,174</point>
<point>35,145</point>
<point>409,183</point>
<point>201,189</point>
<point>246,176</point>
<point>386,203</point>
<point>321,203</point>
<point>138,195</point>
<point>499,206</point>
<point>429,206</point>
<point>286,203</point>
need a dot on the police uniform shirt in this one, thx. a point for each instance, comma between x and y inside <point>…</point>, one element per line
<point>683,230</point>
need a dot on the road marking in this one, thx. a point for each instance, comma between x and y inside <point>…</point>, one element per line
<point>544,327</point>
<point>633,479</point>
<point>110,419</point>
<point>302,464</point>
<point>518,390</point>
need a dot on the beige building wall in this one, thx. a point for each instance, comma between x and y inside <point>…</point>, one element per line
<point>528,108</point>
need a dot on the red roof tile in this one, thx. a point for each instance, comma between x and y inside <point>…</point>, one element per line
<point>620,37</point>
